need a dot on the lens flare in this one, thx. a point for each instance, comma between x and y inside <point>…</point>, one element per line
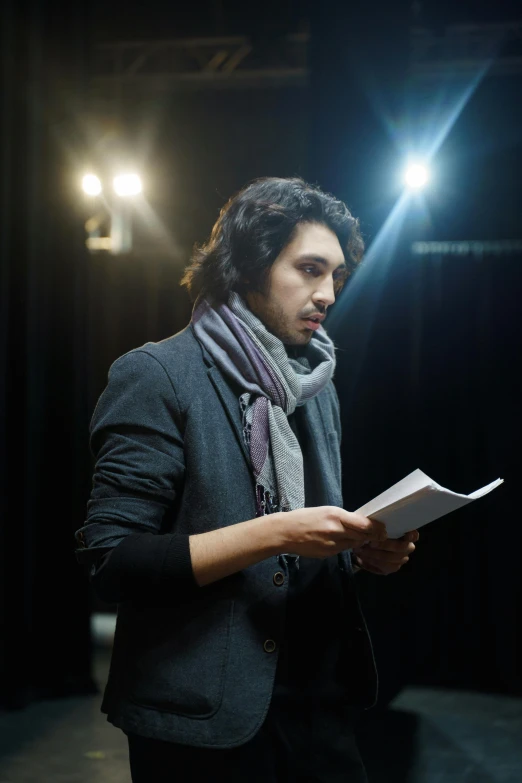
<point>417,176</point>
<point>91,185</point>
<point>127,185</point>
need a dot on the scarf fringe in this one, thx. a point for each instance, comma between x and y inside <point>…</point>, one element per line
<point>266,504</point>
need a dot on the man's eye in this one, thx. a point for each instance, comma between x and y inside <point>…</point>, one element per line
<point>311,270</point>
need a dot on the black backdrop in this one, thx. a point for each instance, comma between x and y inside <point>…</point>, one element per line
<point>429,348</point>
<point>44,474</point>
<point>435,379</point>
<point>437,389</point>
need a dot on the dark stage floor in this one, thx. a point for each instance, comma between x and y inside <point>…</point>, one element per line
<point>427,736</point>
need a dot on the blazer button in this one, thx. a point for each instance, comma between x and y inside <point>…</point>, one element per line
<point>279,578</point>
<point>269,646</point>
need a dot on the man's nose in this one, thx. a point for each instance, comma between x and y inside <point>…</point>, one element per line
<point>325,294</point>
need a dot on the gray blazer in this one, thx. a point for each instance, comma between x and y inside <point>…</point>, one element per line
<point>189,663</point>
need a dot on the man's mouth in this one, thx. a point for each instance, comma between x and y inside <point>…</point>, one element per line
<point>313,322</point>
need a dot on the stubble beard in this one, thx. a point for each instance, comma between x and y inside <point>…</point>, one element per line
<point>279,326</point>
<point>276,321</point>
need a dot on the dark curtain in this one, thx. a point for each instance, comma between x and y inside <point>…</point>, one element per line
<point>429,346</point>
<point>434,384</point>
<point>44,622</point>
<point>428,378</point>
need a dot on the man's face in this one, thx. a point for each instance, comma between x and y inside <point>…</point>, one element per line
<point>301,284</point>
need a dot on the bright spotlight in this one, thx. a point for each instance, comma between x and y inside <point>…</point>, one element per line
<point>127,184</point>
<point>91,185</point>
<point>416,176</point>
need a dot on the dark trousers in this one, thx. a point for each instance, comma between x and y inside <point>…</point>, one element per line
<point>301,741</point>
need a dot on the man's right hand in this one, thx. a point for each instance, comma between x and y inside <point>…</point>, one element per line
<point>318,532</point>
<point>322,531</point>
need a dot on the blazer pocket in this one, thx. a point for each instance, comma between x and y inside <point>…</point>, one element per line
<point>179,657</point>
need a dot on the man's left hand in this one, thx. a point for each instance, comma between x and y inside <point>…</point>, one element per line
<point>386,557</point>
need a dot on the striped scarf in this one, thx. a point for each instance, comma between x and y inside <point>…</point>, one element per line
<point>274,385</point>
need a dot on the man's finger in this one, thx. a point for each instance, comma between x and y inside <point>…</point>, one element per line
<point>412,535</point>
<point>358,534</point>
<point>366,529</point>
<point>394,545</point>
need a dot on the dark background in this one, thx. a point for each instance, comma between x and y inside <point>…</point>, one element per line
<point>429,345</point>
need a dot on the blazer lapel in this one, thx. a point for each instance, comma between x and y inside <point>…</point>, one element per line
<point>322,451</point>
<point>231,405</point>
<point>229,399</point>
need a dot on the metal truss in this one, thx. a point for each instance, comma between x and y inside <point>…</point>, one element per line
<point>238,61</point>
<point>476,247</point>
<point>463,49</point>
<point>192,62</point>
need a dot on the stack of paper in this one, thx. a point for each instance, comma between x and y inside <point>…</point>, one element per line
<point>416,500</point>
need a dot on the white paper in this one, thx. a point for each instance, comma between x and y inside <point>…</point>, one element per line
<point>416,500</point>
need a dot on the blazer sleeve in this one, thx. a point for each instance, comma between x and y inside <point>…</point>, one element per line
<point>136,440</point>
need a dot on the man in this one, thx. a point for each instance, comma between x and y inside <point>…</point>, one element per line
<point>216,519</point>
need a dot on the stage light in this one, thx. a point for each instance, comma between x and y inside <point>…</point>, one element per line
<point>416,176</point>
<point>91,185</point>
<point>127,185</point>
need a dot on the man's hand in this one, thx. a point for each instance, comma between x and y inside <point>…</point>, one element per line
<point>386,557</point>
<point>323,531</point>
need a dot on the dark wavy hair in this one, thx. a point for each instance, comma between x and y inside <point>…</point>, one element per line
<point>253,228</point>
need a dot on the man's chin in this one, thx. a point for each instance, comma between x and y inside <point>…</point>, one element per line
<point>301,339</point>
<point>294,336</point>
